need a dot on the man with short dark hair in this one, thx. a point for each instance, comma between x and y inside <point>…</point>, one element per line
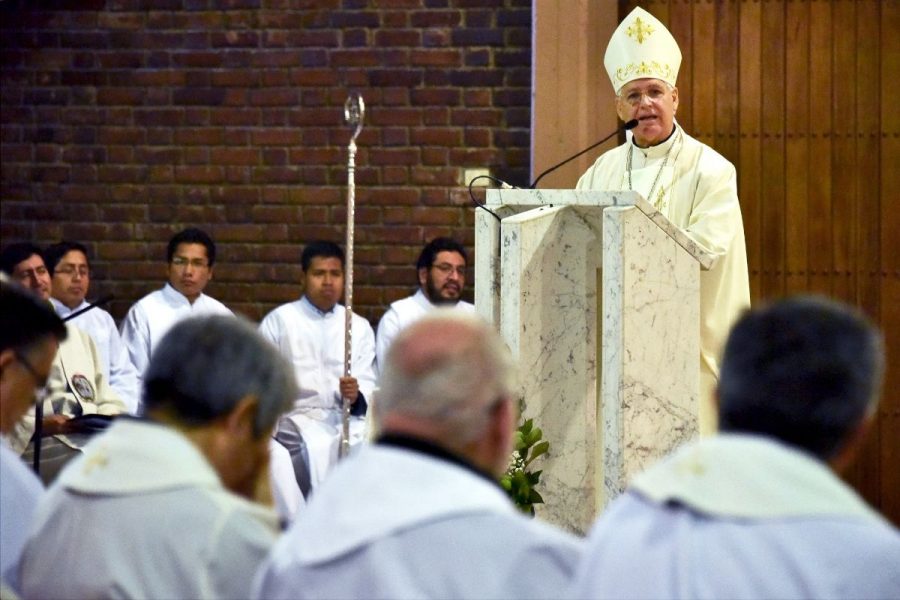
<point>70,276</point>
<point>419,513</point>
<point>191,255</point>
<point>310,334</point>
<point>76,386</point>
<point>441,275</point>
<point>29,337</point>
<point>759,511</point>
<point>168,506</point>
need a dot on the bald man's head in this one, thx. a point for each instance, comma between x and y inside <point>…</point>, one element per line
<point>447,369</point>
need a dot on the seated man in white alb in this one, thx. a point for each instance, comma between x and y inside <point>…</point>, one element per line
<point>441,272</point>
<point>309,332</point>
<point>419,513</point>
<point>759,511</point>
<point>77,390</point>
<point>70,277</point>
<point>172,505</point>
<point>191,255</point>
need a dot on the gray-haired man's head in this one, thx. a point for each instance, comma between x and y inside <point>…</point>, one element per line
<point>449,377</point>
<point>205,366</point>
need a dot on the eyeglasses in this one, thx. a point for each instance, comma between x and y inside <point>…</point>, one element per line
<point>654,93</point>
<point>447,268</point>
<point>197,263</point>
<point>40,381</point>
<point>70,270</point>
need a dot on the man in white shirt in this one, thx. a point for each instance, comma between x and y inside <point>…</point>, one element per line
<point>29,335</point>
<point>170,506</point>
<point>687,181</point>
<point>191,255</point>
<point>70,276</point>
<point>759,511</point>
<point>309,333</point>
<point>419,514</point>
<point>77,390</point>
<point>441,273</point>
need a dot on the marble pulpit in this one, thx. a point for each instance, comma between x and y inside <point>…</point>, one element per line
<point>597,295</point>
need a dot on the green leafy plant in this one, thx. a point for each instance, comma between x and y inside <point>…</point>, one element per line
<point>518,481</point>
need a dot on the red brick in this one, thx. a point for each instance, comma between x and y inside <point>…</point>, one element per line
<point>398,37</point>
<point>234,156</point>
<point>436,58</point>
<point>234,116</point>
<point>432,18</point>
<point>433,96</point>
<point>434,156</point>
<point>276,137</point>
<point>198,136</point>
<point>392,175</point>
<point>158,156</point>
<point>198,174</point>
<point>477,137</point>
<point>128,96</point>
<point>436,136</point>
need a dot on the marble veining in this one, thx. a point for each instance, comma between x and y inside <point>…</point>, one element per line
<point>598,299</point>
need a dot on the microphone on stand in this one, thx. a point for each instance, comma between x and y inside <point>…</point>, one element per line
<point>626,127</point>
<point>103,300</point>
<point>505,186</point>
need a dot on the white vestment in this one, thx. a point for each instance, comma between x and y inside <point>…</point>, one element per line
<point>403,313</point>
<point>76,386</point>
<point>739,516</point>
<point>393,522</point>
<point>142,514</point>
<point>152,316</point>
<point>20,490</point>
<point>697,191</point>
<point>117,367</point>
<point>312,341</point>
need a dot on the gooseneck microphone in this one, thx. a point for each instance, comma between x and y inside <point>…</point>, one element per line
<point>626,127</point>
<point>103,300</point>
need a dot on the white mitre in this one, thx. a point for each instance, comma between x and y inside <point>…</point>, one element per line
<point>641,47</point>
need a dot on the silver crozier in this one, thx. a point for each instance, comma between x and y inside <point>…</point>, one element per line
<point>354,111</point>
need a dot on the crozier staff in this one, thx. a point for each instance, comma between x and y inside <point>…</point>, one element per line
<point>687,181</point>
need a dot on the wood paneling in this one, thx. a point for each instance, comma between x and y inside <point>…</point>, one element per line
<point>801,96</point>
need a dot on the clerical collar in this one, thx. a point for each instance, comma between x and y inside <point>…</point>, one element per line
<point>660,149</point>
<point>315,308</point>
<point>416,444</point>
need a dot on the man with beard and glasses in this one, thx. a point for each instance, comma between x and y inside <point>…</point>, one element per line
<point>441,272</point>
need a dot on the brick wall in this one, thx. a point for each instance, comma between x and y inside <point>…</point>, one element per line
<point>124,121</point>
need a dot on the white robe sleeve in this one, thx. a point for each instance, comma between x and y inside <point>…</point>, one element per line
<point>388,327</point>
<point>136,337</point>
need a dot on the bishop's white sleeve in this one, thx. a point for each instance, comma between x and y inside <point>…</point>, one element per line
<point>716,213</point>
